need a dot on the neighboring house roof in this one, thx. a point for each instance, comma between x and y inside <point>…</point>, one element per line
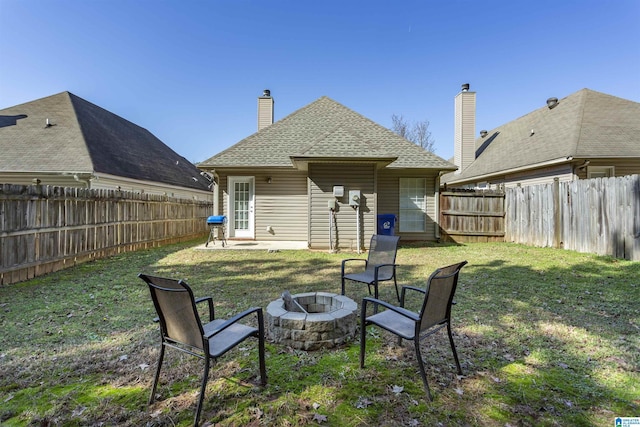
<point>325,129</point>
<point>84,138</point>
<point>586,125</point>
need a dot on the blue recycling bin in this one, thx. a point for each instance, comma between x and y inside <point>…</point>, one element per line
<point>387,224</point>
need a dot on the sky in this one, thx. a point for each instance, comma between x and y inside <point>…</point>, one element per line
<point>191,71</point>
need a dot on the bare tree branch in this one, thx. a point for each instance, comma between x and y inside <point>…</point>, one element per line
<point>400,126</point>
<point>422,135</point>
<point>418,132</point>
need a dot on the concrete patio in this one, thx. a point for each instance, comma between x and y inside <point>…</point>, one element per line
<point>253,245</point>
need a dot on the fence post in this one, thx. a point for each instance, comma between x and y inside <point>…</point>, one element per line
<point>557,217</point>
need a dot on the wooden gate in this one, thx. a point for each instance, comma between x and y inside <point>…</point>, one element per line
<point>472,216</point>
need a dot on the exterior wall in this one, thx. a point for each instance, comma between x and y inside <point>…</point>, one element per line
<point>623,167</point>
<point>294,206</point>
<point>388,199</point>
<point>546,175</point>
<point>564,172</point>
<point>56,180</point>
<point>105,182</point>
<point>322,178</point>
<point>281,205</point>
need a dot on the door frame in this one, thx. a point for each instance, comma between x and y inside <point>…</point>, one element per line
<point>232,232</point>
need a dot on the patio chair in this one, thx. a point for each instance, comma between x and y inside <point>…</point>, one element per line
<point>378,267</point>
<point>182,329</point>
<point>434,315</point>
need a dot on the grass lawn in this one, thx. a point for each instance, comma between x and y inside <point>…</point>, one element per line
<point>546,338</point>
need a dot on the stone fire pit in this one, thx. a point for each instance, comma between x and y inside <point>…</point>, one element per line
<point>312,320</point>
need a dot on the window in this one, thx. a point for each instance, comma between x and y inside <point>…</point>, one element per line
<point>600,172</point>
<point>413,205</point>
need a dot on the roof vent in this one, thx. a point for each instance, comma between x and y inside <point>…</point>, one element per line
<point>483,133</point>
<point>465,87</point>
<point>552,103</point>
<point>266,92</point>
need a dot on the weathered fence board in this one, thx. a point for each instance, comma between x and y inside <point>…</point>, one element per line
<point>600,215</point>
<point>472,216</point>
<point>45,229</point>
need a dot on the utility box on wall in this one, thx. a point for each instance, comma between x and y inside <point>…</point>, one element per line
<point>354,197</point>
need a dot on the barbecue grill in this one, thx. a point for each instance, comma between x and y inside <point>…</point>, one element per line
<point>215,223</point>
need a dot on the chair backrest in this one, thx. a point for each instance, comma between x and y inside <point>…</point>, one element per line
<point>382,250</point>
<point>176,308</point>
<point>441,287</point>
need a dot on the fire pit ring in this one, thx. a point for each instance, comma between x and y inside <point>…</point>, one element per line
<point>312,320</point>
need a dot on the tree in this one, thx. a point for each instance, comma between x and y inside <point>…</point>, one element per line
<point>416,132</point>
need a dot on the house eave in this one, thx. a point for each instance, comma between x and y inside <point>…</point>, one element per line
<point>219,167</point>
<point>302,162</point>
<point>487,176</point>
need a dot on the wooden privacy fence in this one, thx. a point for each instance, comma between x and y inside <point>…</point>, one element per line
<point>472,216</point>
<point>600,215</point>
<point>45,229</point>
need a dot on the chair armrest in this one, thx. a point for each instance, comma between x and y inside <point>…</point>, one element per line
<point>344,262</point>
<point>410,288</point>
<point>235,319</point>
<point>402,311</point>
<point>379,266</point>
<point>211,310</point>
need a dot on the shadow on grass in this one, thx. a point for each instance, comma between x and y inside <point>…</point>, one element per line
<point>544,336</point>
<point>552,342</point>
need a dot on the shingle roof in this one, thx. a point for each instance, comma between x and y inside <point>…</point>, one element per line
<point>585,124</point>
<point>325,129</point>
<point>85,138</point>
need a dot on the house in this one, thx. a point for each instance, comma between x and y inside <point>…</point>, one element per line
<point>322,175</point>
<point>588,134</point>
<point>63,140</point>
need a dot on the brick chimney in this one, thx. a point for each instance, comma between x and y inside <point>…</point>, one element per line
<point>265,110</point>
<point>464,152</point>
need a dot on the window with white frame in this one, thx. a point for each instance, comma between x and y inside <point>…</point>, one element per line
<point>600,172</point>
<point>413,205</point>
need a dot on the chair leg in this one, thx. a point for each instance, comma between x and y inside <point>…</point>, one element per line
<point>453,348</point>
<point>395,283</point>
<point>363,334</point>
<point>263,369</point>
<point>205,378</point>
<point>157,376</point>
<point>343,285</point>
<point>375,295</point>
<point>416,343</point>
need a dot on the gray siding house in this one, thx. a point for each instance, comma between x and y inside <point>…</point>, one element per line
<point>296,179</point>
<point>587,134</point>
<point>64,140</point>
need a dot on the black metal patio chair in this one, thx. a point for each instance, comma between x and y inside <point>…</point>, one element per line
<point>379,266</point>
<point>182,329</point>
<point>434,314</point>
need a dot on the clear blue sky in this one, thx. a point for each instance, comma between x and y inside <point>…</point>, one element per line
<point>191,71</point>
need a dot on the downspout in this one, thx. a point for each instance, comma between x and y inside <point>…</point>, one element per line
<point>86,181</point>
<point>216,192</point>
<point>437,206</point>
<point>580,168</point>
